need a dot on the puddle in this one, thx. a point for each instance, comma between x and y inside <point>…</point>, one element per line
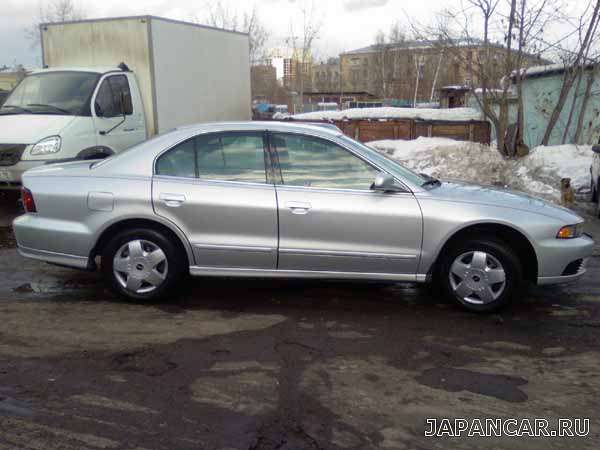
<point>54,286</point>
<point>147,361</point>
<point>12,407</point>
<point>449,379</point>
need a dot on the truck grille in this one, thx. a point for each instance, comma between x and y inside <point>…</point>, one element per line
<point>10,154</point>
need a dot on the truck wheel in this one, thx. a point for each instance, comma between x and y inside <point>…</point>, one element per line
<point>482,274</point>
<point>142,264</point>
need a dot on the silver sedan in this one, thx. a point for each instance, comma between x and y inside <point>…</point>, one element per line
<point>287,200</point>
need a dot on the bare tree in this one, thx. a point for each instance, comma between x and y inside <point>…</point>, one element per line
<point>53,11</point>
<point>471,33</point>
<point>387,49</point>
<point>572,69</point>
<point>220,16</point>
<point>302,45</point>
<point>592,75</point>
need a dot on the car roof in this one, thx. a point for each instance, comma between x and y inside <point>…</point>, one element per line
<point>263,125</point>
<point>90,69</point>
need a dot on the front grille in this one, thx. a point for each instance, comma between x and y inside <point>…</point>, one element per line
<point>10,154</point>
<point>573,268</point>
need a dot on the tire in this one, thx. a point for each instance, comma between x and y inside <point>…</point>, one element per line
<point>156,270</point>
<point>482,274</point>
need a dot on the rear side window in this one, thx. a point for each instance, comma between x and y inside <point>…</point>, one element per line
<point>220,156</point>
<point>178,162</point>
<point>108,99</point>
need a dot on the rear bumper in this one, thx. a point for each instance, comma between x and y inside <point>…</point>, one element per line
<point>61,259</point>
<point>55,241</point>
<point>556,257</point>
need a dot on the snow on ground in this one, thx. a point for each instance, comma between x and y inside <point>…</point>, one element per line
<point>538,173</point>
<point>453,114</point>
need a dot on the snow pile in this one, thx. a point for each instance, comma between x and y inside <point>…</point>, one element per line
<point>447,159</point>
<point>542,169</point>
<point>452,114</point>
<point>538,173</point>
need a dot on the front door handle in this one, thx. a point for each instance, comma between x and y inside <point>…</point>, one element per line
<point>173,200</point>
<point>298,207</point>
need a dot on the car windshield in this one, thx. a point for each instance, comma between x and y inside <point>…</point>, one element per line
<point>64,93</point>
<point>386,163</point>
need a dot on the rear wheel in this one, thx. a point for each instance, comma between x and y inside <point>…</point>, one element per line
<point>481,274</point>
<point>142,264</point>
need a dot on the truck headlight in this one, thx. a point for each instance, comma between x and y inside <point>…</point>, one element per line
<point>570,231</point>
<point>46,146</point>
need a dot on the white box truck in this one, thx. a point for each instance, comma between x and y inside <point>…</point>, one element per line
<point>111,83</point>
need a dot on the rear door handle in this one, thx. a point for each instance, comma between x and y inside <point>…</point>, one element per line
<point>172,200</point>
<point>298,207</point>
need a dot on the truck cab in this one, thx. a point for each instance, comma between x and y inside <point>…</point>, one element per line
<point>67,114</point>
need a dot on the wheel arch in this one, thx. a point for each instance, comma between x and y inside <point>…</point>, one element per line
<point>513,237</point>
<point>95,152</point>
<point>169,230</point>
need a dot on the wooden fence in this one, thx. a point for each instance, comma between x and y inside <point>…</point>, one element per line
<point>408,129</point>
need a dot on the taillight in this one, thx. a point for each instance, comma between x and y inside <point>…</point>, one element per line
<point>28,202</point>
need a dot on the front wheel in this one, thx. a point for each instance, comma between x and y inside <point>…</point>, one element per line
<point>142,264</point>
<point>481,274</point>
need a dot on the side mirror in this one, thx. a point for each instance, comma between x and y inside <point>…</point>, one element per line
<point>385,183</point>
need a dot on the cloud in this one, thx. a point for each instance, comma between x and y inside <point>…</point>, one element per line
<point>357,5</point>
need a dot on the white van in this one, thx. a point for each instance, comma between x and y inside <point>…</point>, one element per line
<point>89,104</point>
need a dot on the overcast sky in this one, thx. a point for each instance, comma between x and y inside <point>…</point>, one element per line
<point>347,24</point>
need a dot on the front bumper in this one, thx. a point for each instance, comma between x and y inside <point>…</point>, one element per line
<point>556,256</point>
<point>11,176</point>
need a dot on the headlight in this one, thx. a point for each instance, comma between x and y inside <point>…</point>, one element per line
<point>46,146</point>
<point>570,231</point>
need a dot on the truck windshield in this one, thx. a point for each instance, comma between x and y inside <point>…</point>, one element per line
<point>64,93</point>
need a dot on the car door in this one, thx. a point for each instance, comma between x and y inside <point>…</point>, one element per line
<point>330,219</point>
<point>113,129</point>
<point>214,187</point>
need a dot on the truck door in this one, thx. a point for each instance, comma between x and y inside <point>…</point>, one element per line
<point>215,188</point>
<point>117,127</point>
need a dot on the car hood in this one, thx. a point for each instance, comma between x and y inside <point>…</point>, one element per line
<point>506,198</point>
<point>30,128</point>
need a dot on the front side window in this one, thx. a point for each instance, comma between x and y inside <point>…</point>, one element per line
<point>312,162</point>
<point>236,156</point>
<point>112,91</point>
